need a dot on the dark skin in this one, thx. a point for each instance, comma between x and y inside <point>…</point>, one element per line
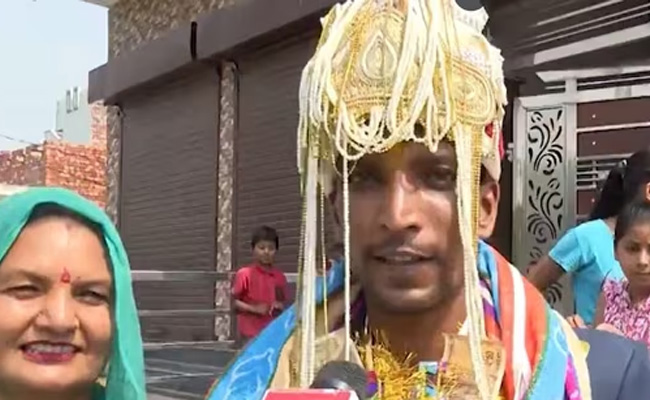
<point>405,244</point>
<point>259,309</point>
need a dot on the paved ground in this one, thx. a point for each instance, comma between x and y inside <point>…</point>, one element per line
<point>184,373</point>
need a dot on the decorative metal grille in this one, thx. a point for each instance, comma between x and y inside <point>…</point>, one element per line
<point>543,192</point>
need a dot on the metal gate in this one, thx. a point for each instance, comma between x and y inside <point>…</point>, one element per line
<point>549,175</point>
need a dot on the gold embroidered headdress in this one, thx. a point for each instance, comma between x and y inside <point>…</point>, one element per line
<point>381,68</point>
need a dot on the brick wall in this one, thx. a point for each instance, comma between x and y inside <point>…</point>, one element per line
<point>76,167</point>
<point>23,167</point>
<point>57,163</point>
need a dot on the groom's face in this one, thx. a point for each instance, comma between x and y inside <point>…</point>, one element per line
<point>405,241</point>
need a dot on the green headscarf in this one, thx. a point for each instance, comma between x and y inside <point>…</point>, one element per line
<point>125,380</point>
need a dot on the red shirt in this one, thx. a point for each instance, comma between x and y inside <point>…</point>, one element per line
<point>255,284</point>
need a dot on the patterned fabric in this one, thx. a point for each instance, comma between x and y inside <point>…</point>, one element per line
<point>633,320</point>
<point>125,379</point>
<point>541,362</point>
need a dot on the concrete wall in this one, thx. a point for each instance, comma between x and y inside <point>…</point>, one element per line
<point>8,190</point>
<point>134,22</point>
<point>84,124</point>
<point>73,120</point>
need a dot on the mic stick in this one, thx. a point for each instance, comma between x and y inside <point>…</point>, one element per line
<point>337,380</point>
<point>342,375</point>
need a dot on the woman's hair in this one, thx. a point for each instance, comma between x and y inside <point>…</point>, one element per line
<point>622,185</point>
<point>634,213</point>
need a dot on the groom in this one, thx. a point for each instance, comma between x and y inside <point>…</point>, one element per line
<point>407,96</point>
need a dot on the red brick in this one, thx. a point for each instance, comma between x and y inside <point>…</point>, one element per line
<point>23,166</point>
<point>55,163</point>
<point>76,167</point>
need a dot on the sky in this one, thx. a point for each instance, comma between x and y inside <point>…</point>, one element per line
<point>46,47</point>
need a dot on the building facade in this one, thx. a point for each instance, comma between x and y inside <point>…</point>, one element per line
<point>74,117</point>
<point>56,162</point>
<point>202,126</point>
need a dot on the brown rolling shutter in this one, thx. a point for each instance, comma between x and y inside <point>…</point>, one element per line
<point>267,186</point>
<point>168,198</point>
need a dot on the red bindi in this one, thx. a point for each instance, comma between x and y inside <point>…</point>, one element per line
<point>65,276</point>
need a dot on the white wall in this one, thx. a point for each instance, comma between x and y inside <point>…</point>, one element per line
<point>73,119</point>
<point>8,190</point>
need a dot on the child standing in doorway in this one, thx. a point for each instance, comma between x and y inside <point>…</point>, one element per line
<point>624,306</point>
<point>260,289</point>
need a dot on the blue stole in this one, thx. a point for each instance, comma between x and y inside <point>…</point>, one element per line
<point>250,375</point>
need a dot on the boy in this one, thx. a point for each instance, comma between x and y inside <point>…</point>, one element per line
<point>259,289</point>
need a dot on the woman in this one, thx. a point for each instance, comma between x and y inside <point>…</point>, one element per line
<point>68,312</point>
<point>587,250</point>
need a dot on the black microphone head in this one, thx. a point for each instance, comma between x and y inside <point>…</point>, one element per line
<point>342,375</point>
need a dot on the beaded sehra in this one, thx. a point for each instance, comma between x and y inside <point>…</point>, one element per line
<point>381,68</point>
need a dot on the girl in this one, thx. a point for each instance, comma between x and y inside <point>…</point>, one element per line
<point>624,306</point>
<point>68,312</point>
<point>587,251</point>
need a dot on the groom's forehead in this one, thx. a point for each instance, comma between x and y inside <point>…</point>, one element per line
<point>403,153</point>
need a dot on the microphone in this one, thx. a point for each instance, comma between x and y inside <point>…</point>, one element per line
<point>342,375</point>
<point>337,380</point>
